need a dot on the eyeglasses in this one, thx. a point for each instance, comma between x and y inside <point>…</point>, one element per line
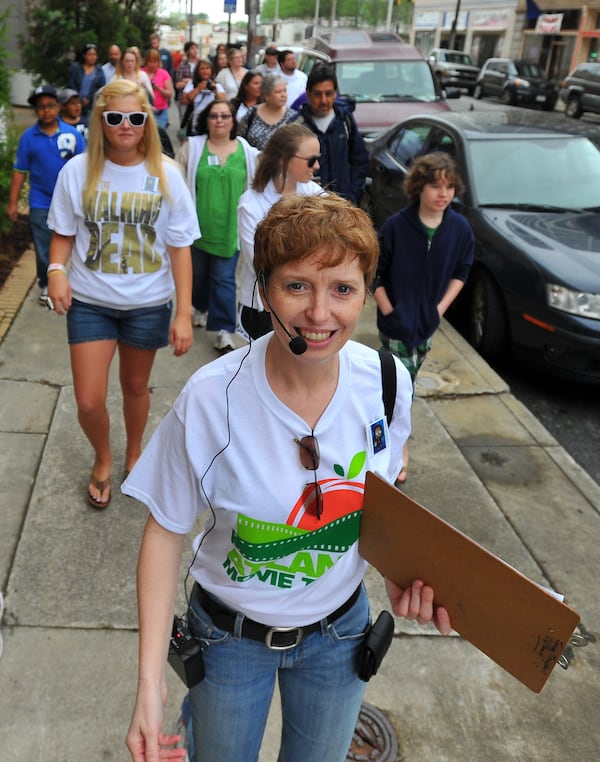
<point>222,117</point>
<point>310,160</point>
<point>115,118</point>
<point>310,459</point>
<point>45,106</point>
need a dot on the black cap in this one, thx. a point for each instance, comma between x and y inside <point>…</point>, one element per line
<point>42,90</point>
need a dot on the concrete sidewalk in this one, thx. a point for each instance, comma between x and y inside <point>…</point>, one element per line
<point>478,458</point>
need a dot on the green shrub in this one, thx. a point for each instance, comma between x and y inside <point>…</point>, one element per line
<point>8,136</point>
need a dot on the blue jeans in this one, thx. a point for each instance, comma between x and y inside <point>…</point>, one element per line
<point>213,288</point>
<point>321,693</point>
<point>41,234</point>
<point>161,117</point>
<point>141,328</point>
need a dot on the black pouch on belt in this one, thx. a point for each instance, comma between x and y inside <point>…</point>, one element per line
<point>375,646</point>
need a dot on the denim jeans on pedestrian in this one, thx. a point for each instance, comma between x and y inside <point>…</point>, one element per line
<point>321,694</point>
<point>41,234</point>
<point>213,289</point>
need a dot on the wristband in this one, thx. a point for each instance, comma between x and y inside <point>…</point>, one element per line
<point>54,267</point>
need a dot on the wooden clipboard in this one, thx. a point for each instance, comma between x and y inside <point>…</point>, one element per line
<point>511,619</point>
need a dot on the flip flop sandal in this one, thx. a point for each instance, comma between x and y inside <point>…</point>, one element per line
<point>100,485</point>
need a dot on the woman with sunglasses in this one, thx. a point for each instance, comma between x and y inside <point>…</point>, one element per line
<point>286,166</point>
<point>219,167</point>
<point>273,443</point>
<point>125,220</point>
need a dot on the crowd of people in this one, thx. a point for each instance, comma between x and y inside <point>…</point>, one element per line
<point>136,250</point>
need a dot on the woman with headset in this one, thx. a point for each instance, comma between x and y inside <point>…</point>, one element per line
<point>272,444</point>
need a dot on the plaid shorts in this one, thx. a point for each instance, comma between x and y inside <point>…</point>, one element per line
<point>411,357</point>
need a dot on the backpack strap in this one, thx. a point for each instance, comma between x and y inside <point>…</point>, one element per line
<point>388,383</point>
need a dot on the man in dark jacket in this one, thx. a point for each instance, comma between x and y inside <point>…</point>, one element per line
<point>344,159</point>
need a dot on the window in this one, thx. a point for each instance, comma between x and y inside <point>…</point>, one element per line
<point>408,143</point>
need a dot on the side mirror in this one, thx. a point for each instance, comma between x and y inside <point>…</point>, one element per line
<point>452,92</point>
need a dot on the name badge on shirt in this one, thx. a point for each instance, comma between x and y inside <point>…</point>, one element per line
<point>213,161</point>
<point>377,433</point>
<point>151,184</point>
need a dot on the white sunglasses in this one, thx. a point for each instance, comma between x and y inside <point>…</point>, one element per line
<point>115,118</point>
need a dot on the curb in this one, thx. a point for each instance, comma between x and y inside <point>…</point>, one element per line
<point>15,289</point>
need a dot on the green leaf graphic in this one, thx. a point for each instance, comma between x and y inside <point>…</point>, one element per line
<point>356,464</point>
<point>338,469</point>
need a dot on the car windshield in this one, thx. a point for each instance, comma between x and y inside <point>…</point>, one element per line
<point>553,172</point>
<point>527,69</point>
<point>386,80</point>
<point>458,58</point>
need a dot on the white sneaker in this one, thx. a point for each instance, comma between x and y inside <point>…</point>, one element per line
<point>43,298</point>
<point>224,341</point>
<point>199,318</point>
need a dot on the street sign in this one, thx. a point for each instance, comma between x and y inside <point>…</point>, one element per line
<point>230,6</point>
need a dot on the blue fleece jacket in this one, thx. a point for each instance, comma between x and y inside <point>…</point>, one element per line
<point>416,274</point>
<point>344,161</point>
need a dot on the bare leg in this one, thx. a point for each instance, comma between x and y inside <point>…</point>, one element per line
<point>135,368</point>
<point>90,363</point>
<point>404,470</point>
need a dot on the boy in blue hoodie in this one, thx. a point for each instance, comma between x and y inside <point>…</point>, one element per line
<point>426,252</point>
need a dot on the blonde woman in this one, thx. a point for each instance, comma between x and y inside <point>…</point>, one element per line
<point>124,218</point>
<point>129,67</point>
<point>231,77</point>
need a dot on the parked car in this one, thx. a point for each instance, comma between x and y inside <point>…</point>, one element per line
<point>580,91</point>
<point>532,200</point>
<point>385,77</point>
<point>516,83</point>
<point>453,68</point>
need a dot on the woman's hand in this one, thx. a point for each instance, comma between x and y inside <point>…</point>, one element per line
<point>145,741</point>
<point>59,291</point>
<point>181,334</point>
<point>417,603</point>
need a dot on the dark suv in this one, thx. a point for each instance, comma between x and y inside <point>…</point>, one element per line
<point>580,91</point>
<point>516,82</point>
<point>453,68</point>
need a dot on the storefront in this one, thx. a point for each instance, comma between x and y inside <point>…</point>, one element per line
<point>558,35</point>
<point>483,28</point>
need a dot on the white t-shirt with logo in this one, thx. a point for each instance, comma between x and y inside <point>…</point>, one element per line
<point>228,446</point>
<point>120,255</point>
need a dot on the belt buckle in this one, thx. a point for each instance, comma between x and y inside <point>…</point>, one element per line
<point>272,630</point>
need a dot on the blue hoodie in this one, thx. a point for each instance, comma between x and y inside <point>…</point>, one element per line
<point>416,274</point>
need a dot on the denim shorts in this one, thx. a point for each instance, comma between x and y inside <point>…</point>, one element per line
<point>142,328</point>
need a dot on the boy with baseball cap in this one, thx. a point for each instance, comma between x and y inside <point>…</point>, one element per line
<point>42,151</point>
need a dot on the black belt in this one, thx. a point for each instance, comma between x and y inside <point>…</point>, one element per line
<point>277,638</point>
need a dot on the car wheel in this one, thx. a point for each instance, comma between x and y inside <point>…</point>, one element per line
<point>487,324</point>
<point>573,108</point>
<point>478,92</point>
<point>507,97</point>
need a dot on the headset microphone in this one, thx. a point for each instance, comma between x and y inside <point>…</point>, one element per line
<point>297,345</point>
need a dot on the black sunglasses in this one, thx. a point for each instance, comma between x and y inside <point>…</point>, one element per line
<point>115,118</point>
<point>310,459</point>
<point>310,160</point>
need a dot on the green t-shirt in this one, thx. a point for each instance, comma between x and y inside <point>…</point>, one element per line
<point>218,190</point>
